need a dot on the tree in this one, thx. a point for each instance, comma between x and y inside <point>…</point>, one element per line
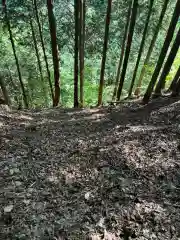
<point>76,51</point>
<point>167,66</point>
<point>15,55</point>
<point>163,53</point>
<point>54,47</point>
<point>174,81</point>
<point>128,47</point>
<point>176,90</point>
<point>151,47</point>
<point>38,58</point>
<point>43,48</point>
<point>141,47</point>
<point>81,48</point>
<point>122,51</point>
<point>105,46</point>
<point>5,92</point>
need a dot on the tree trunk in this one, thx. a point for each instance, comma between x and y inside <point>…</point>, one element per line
<point>38,60</point>
<point>150,50</point>
<point>174,81</point>
<point>128,47</point>
<point>81,48</point>
<point>54,46</point>
<point>105,46</point>
<point>15,56</point>
<point>168,65</point>
<point>4,91</point>
<point>163,53</point>
<point>43,48</point>
<point>76,50</point>
<point>176,91</point>
<point>122,52</point>
<point>141,47</point>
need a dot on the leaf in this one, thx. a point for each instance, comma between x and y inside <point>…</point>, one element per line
<point>8,208</point>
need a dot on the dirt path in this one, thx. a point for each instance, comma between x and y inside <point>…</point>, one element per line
<point>110,173</point>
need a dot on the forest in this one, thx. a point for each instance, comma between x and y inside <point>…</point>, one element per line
<point>90,120</point>
<point>62,51</point>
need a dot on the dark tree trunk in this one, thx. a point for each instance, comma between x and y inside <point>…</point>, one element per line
<point>168,65</point>
<point>76,51</point>
<point>15,56</point>
<point>150,50</point>
<point>43,48</point>
<point>5,92</point>
<point>141,47</point>
<point>81,48</point>
<point>105,46</point>
<point>122,51</point>
<point>174,81</point>
<point>163,53</point>
<point>54,47</point>
<point>38,60</point>
<point>128,47</point>
<point>176,91</point>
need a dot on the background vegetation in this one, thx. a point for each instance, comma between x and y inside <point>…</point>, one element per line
<point>19,16</point>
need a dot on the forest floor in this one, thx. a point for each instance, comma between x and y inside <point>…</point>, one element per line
<point>108,173</point>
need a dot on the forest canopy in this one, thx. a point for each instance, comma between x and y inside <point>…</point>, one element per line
<point>39,37</point>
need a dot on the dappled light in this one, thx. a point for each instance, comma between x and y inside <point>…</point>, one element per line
<point>116,177</point>
<point>90,120</point>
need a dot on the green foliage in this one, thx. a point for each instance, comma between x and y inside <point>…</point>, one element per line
<point>18,12</point>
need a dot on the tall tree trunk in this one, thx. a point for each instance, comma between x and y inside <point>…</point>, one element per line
<point>176,90</point>
<point>150,50</point>
<point>4,91</point>
<point>141,47</point>
<point>128,47</point>
<point>76,51</point>
<point>43,48</point>
<point>15,55</point>
<point>81,48</point>
<point>174,81</point>
<point>122,51</point>
<point>163,53</point>
<point>54,46</point>
<point>168,65</point>
<point>38,60</point>
<point>105,46</point>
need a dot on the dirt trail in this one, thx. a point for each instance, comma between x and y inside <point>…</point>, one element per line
<point>109,173</point>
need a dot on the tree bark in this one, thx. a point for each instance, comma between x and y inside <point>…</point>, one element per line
<point>38,60</point>
<point>128,47</point>
<point>105,46</point>
<point>15,56</point>
<point>76,51</point>
<point>4,91</point>
<point>174,81</point>
<point>81,48</point>
<point>43,48</point>
<point>141,47</point>
<point>176,91</point>
<point>150,50</point>
<point>122,52</point>
<point>54,46</point>
<point>168,65</point>
<point>163,53</point>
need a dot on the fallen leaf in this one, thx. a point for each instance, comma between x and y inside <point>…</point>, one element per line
<point>8,208</point>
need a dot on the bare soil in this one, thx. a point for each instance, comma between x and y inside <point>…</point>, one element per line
<point>109,173</point>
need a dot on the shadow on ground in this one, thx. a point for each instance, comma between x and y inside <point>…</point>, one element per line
<point>109,173</point>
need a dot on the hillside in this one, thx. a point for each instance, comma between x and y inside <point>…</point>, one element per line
<point>102,173</point>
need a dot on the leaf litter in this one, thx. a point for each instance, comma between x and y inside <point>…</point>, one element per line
<point>108,173</point>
